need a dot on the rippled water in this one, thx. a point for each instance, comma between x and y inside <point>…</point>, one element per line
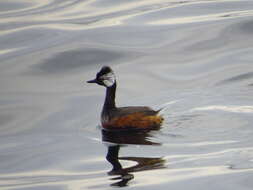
<point>192,57</point>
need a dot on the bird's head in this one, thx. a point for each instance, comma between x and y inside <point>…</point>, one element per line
<point>105,77</point>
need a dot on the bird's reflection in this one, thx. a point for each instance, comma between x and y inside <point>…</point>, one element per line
<point>117,140</point>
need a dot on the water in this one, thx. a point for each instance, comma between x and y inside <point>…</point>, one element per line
<point>192,57</point>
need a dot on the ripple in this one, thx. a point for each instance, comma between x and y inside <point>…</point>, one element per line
<point>234,109</point>
<point>237,78</point>
<point>7,51</point>
<point>77,12</point>
<point>70,60</point>
<point>7,7</point>
<point>46,179</point>
<point>204,18</point>
<point>200,144</point>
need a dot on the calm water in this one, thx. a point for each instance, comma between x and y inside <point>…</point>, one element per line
<point>192,57</point>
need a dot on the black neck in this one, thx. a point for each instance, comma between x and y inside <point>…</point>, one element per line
<point>110,97</point>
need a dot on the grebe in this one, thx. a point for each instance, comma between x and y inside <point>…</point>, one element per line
<point>134,117</point>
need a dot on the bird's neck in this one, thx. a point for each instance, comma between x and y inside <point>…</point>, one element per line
<point>110,97</point>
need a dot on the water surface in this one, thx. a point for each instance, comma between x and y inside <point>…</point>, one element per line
<point>194,58</point>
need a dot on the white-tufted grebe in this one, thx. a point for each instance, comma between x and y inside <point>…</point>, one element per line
<point>134,117</point>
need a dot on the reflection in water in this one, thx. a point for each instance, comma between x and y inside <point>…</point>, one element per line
<point>128,137</point>
<point>142,163</point>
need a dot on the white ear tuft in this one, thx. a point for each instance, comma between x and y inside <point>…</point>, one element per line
<point>108,79</point>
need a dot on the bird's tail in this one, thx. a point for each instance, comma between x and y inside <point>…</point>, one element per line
<point>165,106</point>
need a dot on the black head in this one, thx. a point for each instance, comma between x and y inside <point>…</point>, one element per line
<point>104,77</point>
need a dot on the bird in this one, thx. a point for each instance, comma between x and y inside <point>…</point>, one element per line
<point>123,118</point>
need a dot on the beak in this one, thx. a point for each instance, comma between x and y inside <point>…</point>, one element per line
<point>92,81</point>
